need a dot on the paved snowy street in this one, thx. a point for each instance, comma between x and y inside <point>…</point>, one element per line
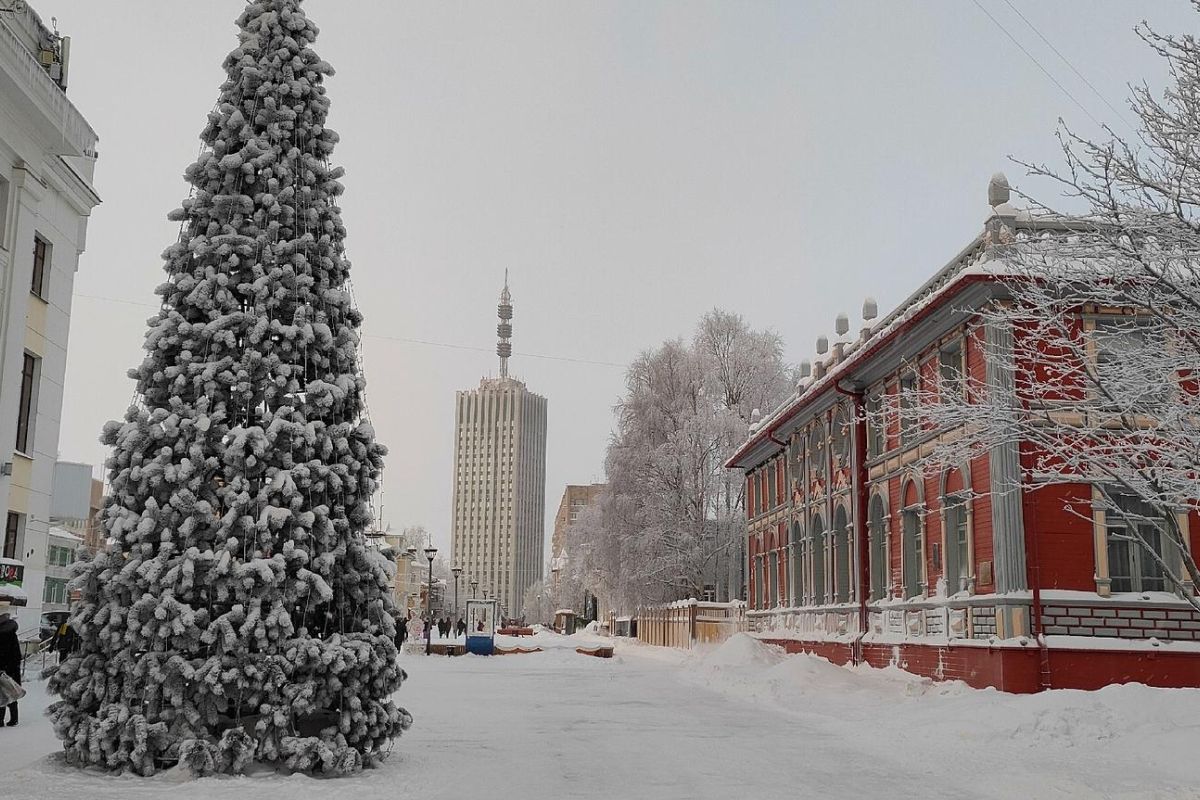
<point>738,721</point>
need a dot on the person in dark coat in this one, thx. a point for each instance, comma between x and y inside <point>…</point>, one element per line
<point>462,626</point>
<point>66,641</point>
<point>10,659</point>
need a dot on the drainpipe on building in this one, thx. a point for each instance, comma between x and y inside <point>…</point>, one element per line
<point>1033,574</point>
<point>860,489</point>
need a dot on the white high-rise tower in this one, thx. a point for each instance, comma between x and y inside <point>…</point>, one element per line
<point>498,530</point>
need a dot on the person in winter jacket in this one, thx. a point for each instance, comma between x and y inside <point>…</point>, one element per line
<point>462,626</point>
<point>10,658</point>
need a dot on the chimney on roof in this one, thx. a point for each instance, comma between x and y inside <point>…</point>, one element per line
<point>999,191</point>
<point>870,311</point>
<point>1000,223</point>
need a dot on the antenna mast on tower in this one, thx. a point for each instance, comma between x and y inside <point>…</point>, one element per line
<point>504,328</point>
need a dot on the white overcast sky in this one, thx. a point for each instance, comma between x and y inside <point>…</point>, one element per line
<point>633,164</point>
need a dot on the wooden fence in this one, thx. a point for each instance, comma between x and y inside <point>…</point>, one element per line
<point>687,622</point>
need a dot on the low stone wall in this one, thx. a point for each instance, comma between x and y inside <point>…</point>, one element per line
<point>1114,619</point>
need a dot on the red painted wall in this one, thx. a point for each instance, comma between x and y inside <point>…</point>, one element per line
<point>1065,547</point>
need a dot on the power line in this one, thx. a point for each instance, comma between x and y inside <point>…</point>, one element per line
<point>401,339</point>
<point>1070,66</point>
<point>1045,71</point>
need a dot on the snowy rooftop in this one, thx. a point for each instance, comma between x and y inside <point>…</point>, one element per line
<point>975,262</point>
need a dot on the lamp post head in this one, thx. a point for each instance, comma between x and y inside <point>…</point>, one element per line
<point>430,552</point>
<point>457,571</point>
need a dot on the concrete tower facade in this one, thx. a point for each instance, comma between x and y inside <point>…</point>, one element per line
<point>498,530</point>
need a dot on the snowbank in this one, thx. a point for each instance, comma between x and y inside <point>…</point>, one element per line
<point>1121,736</point>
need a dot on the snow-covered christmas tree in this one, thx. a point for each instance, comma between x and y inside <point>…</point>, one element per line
<point>237,615</point>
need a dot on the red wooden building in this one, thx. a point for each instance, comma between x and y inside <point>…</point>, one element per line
<point>857,554</point>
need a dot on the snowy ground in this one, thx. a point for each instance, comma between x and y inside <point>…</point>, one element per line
<point>738,721</point>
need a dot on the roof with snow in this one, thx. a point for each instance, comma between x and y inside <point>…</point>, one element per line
<point>978,264</point>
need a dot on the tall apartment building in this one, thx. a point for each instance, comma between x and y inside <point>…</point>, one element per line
<point>47,154</point>
<point>574,499</point>
<point>498,530</point>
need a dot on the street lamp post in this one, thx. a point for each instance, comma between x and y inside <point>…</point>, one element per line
<point>554,594</point>
<point>474,586</point>
<point>457,572</point>
<point>409,554</point>
<point>430,552</point>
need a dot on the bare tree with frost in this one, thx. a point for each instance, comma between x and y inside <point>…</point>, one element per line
<point>1100,385</point>
<point>237,614</point>
<point>672,520</point>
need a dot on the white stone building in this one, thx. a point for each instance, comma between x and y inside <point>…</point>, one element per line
<point>498,529</point>
<point>47,153</point>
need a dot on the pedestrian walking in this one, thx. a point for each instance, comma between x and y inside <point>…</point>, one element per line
<point>462,626</point>
<point>66,641</point>
<point>10,663</point>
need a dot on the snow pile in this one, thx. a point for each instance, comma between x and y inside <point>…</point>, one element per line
<point>1119,740</point>
<point>745,666</point>
<point>739,652</point>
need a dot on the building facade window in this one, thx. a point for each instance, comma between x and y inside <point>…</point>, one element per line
<point>772,499</point>
<point>958,572</point>
<point>1133,526</point>
<point>816,550</point>
<point>773,578</point>
<point>41,266</point>
<point>1120,343</point>
<point>59,556</point>
<point>12,532</point>
<point>908,408</point>
<point>876,428</point>
<point>877,530</point>
<point>54,590</point>
<point>840,437</point>
<point>25,407</point>
<point>912,554</point>
<point>816,454</point>
<point>841,556</point>
<point>759,593</point>
<point>951,371</point>
<point>797,564</point>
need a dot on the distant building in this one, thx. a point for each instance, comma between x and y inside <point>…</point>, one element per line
<point>76,502</point>
<point>498,528</point>
<point>47,155</point>
<point>60,554</point>
<point>574,499</point>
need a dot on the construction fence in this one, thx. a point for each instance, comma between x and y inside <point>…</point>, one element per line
<point>685,623</point>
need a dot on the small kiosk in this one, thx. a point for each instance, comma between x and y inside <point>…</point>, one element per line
<point>482,616</point>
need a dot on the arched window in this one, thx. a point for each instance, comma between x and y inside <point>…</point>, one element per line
<point>839,437</point>
<point>955,534</point>
<point>773,578</point>
<point>841,556</point>
<point>796,459</point>
<point>877,529</point>
<point>817,552</point>
<point>760,594</point>
<point>913,552</point>
<point>816,453</point>
<point>797,565</point>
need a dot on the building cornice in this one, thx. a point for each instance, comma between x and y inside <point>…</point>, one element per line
<point>55,120</point>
